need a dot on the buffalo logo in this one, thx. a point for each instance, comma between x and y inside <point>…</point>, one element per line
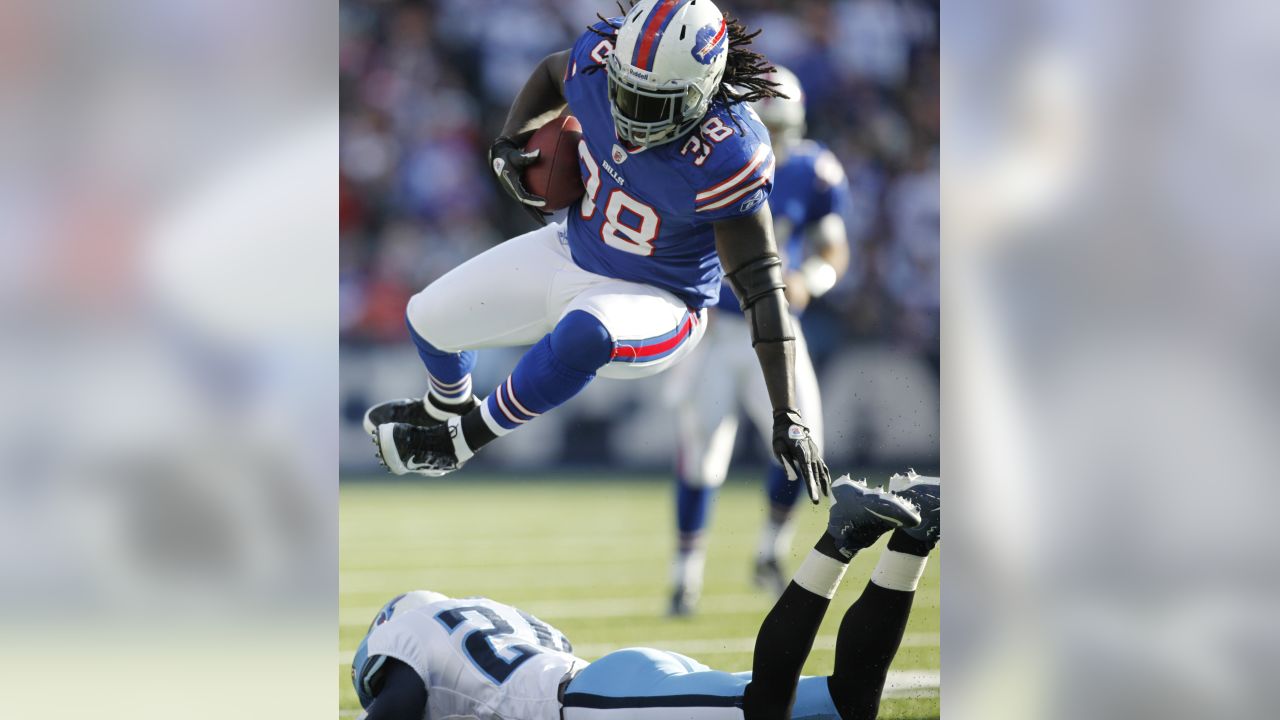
<point>708,43</point>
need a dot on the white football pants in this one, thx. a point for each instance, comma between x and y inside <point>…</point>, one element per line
<point>720,377</point>
<point>517,292</point>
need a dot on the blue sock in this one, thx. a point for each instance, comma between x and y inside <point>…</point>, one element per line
<point>554,370</point>
<point>782,492</point>
<point>449,373</point>
<point>693,508</point>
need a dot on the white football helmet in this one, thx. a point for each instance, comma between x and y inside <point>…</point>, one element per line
<point>783,116</point>
<point>401,604</point>
<point>665,67</point>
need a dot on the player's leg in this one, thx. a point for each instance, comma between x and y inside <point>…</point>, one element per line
<point>608,327</point>
<point>872,628</point>
<point>782,492</point>
<point>857,519</point>
<point>555,369</point>
<point>702,393</point>
<point>644,684</point>
<point>598,319</point>
<point>497,298</point>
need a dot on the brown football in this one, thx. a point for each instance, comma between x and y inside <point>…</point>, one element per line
<point>555,175</point>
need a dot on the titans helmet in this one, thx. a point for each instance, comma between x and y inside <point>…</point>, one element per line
<point>364,670</point>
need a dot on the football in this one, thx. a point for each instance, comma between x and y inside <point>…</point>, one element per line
<point>555,175</point>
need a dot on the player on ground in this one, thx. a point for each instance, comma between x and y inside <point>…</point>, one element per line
<point>677,170</point>
<point>810,196</point>
<point>429,656</point>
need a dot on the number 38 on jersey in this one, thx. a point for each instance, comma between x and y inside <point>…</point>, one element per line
<point>629,224</point>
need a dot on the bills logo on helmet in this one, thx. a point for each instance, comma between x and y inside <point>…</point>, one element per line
<point>709,43</point>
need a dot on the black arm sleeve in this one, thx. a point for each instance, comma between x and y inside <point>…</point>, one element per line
<point>754,271</point>
<point>401,694</point>
<point>759,286</point>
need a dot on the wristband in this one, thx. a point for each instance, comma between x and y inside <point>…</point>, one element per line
<point>819,276</point>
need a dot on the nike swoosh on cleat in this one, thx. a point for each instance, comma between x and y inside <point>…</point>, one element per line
<point>895,521</point>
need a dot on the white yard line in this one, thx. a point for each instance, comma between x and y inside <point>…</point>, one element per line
<point>706,646</point>
<point>484,580</point>
<point>912,683</point>
<point>598,608</point>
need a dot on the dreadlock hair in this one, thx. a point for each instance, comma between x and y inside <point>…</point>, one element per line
<point>744,78</point>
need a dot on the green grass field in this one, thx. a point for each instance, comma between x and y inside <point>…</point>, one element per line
<point>592,559</point>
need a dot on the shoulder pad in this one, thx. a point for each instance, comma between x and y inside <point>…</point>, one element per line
<point>739,174</point>
<point>592,47</point>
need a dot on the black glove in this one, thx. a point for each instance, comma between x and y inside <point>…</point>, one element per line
<point>797,452</point>
<point>507,160</point>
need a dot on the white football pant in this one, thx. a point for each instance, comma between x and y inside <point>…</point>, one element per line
<point>517,292</point>
<point>720,377</point>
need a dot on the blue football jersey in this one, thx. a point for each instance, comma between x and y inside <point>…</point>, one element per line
<point>809,185</point>
<point>647,213</point>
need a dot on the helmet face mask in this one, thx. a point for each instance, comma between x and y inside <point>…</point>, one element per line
<point>645,114</point>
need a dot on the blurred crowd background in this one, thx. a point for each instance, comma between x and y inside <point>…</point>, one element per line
<point>425,87</point>
<point>168,232</point>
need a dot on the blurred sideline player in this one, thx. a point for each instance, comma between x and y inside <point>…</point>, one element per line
<point>429,656</point>
<point>677,171</point>
<point>809,199</point>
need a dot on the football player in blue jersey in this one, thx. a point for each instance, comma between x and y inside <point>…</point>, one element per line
<point>677,170</point>
<point>429,656</point>
<point>810,196</point>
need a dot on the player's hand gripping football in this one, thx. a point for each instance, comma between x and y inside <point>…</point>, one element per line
<point>507,160</point>
<point>795,449</point>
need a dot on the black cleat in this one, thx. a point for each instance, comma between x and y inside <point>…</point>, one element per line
<point>423,412</point>
<point>926,494</point>
<point>861,515</point>
<point>768,576</point>
<point>684,602</point>
<point>405,449</point>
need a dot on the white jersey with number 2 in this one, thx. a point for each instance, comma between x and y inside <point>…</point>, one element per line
<point>478,659</point>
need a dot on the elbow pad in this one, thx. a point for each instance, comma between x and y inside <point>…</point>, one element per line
<point>759,287</point>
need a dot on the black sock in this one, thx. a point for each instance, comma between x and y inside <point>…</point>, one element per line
<point>475,431</point>
<point>868,639</point>
<point>783,644</point>
<point>901,542</point>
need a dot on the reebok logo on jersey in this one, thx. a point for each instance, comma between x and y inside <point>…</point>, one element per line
<point>752,202</point>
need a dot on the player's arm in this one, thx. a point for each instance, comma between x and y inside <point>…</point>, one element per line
<point>753,268</point>
<point>540,100</point>
<point>827,263</point>
<point>402,695</point>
